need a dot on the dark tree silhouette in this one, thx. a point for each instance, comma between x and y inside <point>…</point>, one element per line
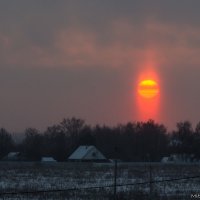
<point>56,143</point>
<point>72,127</point>
<point>152,140</point>
<point>86,137</point>
<point>6,143</point>
<point>182,139</point>
<point>32,144</point>
<point>196,141</point>
<point>134,141</point>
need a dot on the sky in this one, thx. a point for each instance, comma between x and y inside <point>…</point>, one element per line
<point>75,58</point>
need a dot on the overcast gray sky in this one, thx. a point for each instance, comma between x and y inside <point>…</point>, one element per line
<point>80,58</point>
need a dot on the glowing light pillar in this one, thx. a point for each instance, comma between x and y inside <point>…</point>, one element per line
<point>148,97</point>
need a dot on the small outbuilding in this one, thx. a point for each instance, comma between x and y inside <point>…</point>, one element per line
<point>179,158</point>
<point>13,156</point>
<point>48,159</point>
<point>87,153</point>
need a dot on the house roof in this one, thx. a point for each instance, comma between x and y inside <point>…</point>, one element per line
<point>13,154</point>
<point>86,153</point>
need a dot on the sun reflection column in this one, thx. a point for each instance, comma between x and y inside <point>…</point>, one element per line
<point>148,98</point>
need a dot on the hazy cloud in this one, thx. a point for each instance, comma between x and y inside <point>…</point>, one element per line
<point>55,54</point>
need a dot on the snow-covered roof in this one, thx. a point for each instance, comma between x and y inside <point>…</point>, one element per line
<point>165,159</point>
<point>48,159</point>
<point>13,154</point>
<point>87,153</point>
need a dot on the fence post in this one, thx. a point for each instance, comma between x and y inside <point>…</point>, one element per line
<point>150,182</point>
<point>115,180</point>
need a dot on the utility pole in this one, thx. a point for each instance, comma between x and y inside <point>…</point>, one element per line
<point>116,149</point>
<point>150,182</point>
<point>150,178</point>
<point>115,180</point>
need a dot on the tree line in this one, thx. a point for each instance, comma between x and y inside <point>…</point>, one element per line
<point>134,141</point>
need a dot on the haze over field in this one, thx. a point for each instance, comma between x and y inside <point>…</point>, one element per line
<point>84,58</point>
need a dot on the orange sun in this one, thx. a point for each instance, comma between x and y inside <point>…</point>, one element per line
<point>148,88</point>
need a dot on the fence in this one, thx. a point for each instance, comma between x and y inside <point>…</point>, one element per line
<point>104,191</point>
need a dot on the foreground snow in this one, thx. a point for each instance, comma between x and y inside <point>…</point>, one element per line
<point>37,176</point>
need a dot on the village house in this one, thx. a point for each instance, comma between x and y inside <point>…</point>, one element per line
<point>13,156</point>
<point>87,153</point>
<point>48,159</point>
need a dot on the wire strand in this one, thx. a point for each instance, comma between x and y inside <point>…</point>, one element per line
<point>95,187</point>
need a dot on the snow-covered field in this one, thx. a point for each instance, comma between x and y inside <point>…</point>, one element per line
<point>16,176</point>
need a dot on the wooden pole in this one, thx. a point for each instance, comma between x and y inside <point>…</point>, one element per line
<point>115,181</point>
<point>150,182</point>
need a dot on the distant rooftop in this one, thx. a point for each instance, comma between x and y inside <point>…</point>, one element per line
<point>13,154</point>
<point>48,159</point>
<point>86,153</point>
